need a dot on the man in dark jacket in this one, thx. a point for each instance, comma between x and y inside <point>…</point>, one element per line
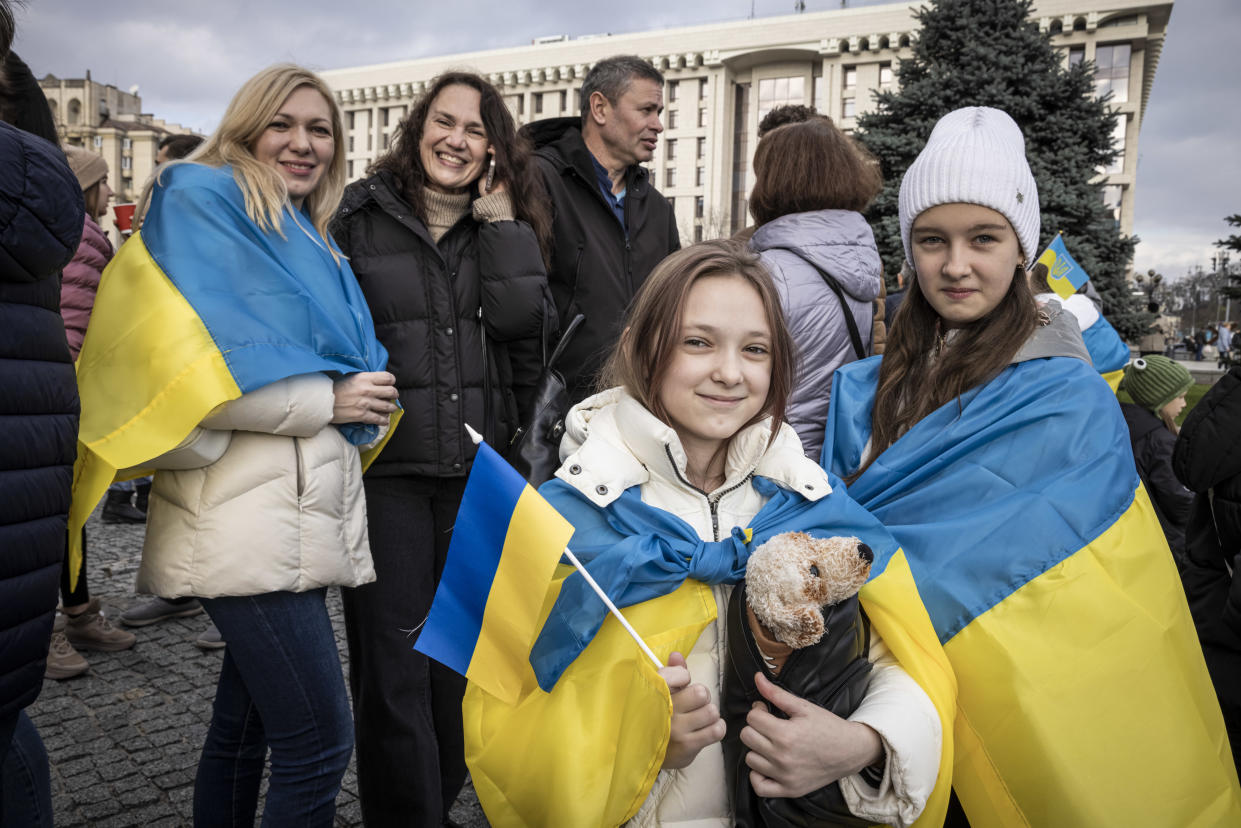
<point>611,226</point>
<point>1207,459</point>
<point>41,215</point>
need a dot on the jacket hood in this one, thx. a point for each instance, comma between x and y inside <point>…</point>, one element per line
<point>839,242</point>
<point>1060,337</point>
<point>612,442</point>
<point>549,130</point>
<point>559,140</point>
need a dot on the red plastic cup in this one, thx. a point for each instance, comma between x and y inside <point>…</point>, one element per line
<point>124,214</point>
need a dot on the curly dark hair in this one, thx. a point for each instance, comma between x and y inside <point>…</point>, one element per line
<point>786,114</point>
<point>513,155</point>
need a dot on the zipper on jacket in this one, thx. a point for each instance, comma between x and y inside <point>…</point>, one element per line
<point>713,504</point>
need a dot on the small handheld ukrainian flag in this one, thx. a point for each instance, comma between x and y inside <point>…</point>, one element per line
<point>1064,274</point>
<point>505,546</point>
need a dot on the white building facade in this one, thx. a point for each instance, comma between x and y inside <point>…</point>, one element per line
<point>720,79</point>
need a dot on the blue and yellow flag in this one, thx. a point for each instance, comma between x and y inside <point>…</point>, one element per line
<point>1064,274</point>
<point>1083,698</point>
<point>1107,350</point>
<point>587,753</point>
<point>197,308</point>
<point>505,546</point>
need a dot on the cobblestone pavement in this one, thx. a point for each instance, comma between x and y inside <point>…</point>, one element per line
<point>124,738</point>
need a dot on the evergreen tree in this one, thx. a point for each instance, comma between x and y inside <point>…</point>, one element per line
<point>1233,288</point>
<point>990,53</point>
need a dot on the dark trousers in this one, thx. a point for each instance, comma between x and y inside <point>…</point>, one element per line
<point>25,778</point>
<point>407,708</point>
<point>281,689</point>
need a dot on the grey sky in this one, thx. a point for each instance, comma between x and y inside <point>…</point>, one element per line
<point>188,63</point>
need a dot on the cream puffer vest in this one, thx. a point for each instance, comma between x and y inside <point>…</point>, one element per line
<point>612,443</point>
<point>281,509</point>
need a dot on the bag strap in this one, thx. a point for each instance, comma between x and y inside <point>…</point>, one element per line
<point>564,341</point>
<point>850,322</point>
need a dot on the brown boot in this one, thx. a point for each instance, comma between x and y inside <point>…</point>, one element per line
<point>62,660</point>
<point>91,630</point>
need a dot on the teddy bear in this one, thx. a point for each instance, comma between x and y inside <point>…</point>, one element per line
<point>795,618</point>
<point>790,579</point>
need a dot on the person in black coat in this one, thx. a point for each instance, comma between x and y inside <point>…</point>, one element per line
<point>41,219</point>
<point>610,225</point>
<point>1207,459</point>
<point>1157,386</point>
<point>446,238</point>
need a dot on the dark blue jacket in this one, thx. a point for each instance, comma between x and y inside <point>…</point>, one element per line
<point>40,224</point>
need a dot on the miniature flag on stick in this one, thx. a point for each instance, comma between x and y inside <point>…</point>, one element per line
<point>1064,275</point>
<point>505,546</point>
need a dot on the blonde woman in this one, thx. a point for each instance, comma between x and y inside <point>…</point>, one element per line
<point>256,351</point>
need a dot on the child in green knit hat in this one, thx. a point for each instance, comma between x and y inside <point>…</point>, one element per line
<point>1157,386</point>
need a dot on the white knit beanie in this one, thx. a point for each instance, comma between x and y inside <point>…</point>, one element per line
<point>975,155</point>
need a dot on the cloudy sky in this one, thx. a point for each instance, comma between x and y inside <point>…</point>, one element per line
<point>187,65</point>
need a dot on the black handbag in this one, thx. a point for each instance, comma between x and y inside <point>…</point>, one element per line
<point>535,449</point>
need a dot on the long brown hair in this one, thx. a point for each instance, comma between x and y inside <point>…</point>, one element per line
<point>513,156</point>
<point>811,165</point>
<point>641,358</point>
<point>914,380</point>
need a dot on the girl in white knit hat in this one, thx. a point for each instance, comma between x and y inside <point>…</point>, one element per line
<point>999,459</point>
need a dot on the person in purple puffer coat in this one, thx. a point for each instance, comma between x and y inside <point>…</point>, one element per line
<point>812,183</point>
<point>81,276</point>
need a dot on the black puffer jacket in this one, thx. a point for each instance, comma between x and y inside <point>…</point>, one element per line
<point>595,269</point>
<point>1208,460</point>
<point>429,301</point>
<point>833,674</point>
<point>40,226</point>
<point>1152,451</point>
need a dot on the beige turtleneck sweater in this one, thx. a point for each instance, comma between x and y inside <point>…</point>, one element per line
<point>446,209</point>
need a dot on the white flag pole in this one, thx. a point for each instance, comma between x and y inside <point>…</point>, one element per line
<point>603,596</point>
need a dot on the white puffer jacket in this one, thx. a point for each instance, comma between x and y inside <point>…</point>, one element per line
<point>282,509</point>
<point>612,443</point>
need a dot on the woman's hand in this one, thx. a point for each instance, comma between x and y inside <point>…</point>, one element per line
<point>812,748</point>
<point>368,397</point>
<point>696,722</point>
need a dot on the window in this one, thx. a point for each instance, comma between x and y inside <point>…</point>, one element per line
<point>670,177</point>
<point>349,169</point>
<point>386,116</point>
<point>702,148</point>
<point>1077,54</point>
<point>773,92</point>
<point>125,143</point>
<point>699,177</point>
<point>370,141</point>
<point>673,89</point>
<point>850,77</point>
<point>702,89</point>
<point>538,103</point>
<point>885,74</point>
<point>1112,195</point>
<point>351,140</point>
<point>1112,72</point>
<point>564,100</point>
<point>387,139</point>
<point>126,162</point>
<point>849,108</point>
<point>699,207</point>
<point>672,119</point>
<point>349,118</point>
<point>98,141</point>
<point>671,144</point>
<point>697,233</point>
<point>702,117</point>
<point>1118,144</point>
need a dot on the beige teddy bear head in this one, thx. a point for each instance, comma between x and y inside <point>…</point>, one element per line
<point>792,577</point>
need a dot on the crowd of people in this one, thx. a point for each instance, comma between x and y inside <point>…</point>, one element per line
<point>289,364</point>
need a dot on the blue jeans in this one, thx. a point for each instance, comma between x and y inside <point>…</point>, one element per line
<point>281,687</point>
<point>26,792</point>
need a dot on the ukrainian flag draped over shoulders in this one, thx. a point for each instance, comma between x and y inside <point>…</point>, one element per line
<point>1083,698</point>
<point>587,752</point>
<point>199,307</point>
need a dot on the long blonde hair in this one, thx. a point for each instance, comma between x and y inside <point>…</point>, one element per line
<point>248,115</point>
